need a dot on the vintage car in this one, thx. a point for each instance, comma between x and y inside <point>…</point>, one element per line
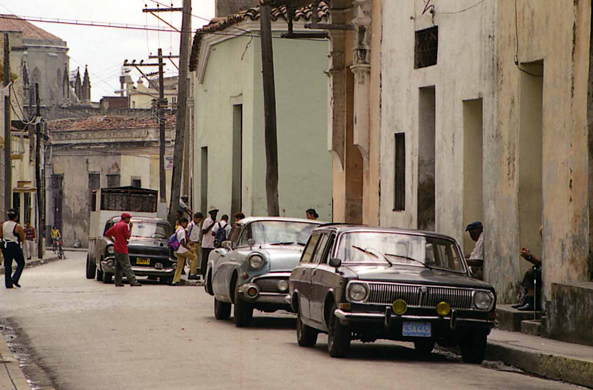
<point>252,272</point>
<point>149,254</point>
<point>362,283</point>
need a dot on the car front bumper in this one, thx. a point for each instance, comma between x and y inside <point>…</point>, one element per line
<point>108,265</point>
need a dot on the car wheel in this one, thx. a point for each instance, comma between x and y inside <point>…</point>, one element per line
<point>306,336</point>
<point>91,267</point>
<point>424,347</point>
<point>473,347</point>
<point>208,284</point>
<point>243,311</point>
<point>99,274</point>
<point>222,310</point>
<point>107,276</point>
<point>338,336</point>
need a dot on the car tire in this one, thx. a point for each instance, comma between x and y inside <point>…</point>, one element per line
<point>243,311</point>
<point>338,336</point>
<point>222,310</point>
<point>306,336</point>
<point>473,347</point>
<point>107,276</point>
<point>208,284</point>
<point>424,347</point>
<point>99,274</point>
<point>91,267</point>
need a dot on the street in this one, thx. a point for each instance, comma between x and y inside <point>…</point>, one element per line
<point>88,335</point>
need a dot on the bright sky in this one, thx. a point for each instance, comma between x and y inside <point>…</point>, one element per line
<point>105,49</point>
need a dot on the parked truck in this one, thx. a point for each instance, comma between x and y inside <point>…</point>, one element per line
<point>148,250</point>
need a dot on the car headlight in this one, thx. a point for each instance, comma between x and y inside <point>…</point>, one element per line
<point>256,261</point>
<point>357,292</point>
<point>110,250</point>
<point>483,300</point>
<point>283,285</point>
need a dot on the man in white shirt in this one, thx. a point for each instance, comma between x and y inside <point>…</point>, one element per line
<point>476,259</point>
<point>222,225</point>
<point>183,252</point>
<point>207,239</point>
<point>194,233</point>
<point>183,207</point>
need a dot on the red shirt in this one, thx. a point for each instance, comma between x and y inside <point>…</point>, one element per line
<point>121,233</point>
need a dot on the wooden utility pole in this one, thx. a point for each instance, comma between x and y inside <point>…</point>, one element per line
<point>161,116</point>
<point>271,135</point>
<point>7,137</point>
<point>38,182</point>
<point>181,111</point>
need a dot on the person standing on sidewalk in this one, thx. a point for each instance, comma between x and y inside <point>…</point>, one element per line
<point>207,239</point>
<point>183,252</point>
<point>30,237</point>
<point>193,231</point>
<point>120,233</point>
<point>12,235</point>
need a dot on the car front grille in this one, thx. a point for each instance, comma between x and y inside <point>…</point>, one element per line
<point>269,284</point>
<point>419,296</point>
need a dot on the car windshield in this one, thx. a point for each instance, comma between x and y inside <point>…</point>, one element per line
<point>280,232</point>
<point>150,229</point>
<point>401,249</point>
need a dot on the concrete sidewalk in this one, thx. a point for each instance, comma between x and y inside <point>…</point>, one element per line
<point>11,376</point>
<point>552,359</point>
<point>50,257</point>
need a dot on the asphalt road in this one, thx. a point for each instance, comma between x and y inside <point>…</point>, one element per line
<point>88,335</point>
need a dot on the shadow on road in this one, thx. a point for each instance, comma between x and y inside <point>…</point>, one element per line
<point>268,323</point>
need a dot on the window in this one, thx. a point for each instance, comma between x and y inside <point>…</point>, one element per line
<point>136,181</point>
<point>112,180</point>
<point>427,47</point>
<point>320,249</point>
<point>399,202</point>
<point>308,252</point>
<point>245,235</point>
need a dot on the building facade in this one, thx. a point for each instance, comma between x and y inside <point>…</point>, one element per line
<point>96,152</point>
<point>229,152</point>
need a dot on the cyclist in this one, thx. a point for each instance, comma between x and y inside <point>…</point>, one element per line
<point>55,236</point>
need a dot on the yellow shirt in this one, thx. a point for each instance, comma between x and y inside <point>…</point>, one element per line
<point>55,233</point>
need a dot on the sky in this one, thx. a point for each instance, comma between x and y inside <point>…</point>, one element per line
<point>105,49</point>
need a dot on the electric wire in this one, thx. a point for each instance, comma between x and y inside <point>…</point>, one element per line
<point>460,11</point>
<point>517,63</point>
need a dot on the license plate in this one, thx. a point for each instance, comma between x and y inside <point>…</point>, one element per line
<point>416,329</point>
<point>142,261</point>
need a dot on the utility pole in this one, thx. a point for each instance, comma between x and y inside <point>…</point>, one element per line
<point>271,136</point>
<point>181,111</point>
<point>7,134</point>
<point>161,116</point>
<point>38,183</point>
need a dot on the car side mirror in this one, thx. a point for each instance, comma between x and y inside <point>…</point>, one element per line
<point>251,242</point>
<point>228,245</point>
<point>335,262</point>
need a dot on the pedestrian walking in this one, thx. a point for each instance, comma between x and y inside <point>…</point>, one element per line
<point>120,233</point>
<point>183,252</point>
<point>195,235</point>
<point>30,236</point>
<point>12,235</point>
<point>207,239</point>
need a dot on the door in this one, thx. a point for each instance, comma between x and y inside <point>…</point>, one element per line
<point>301,276</point>
<point>318,289</point>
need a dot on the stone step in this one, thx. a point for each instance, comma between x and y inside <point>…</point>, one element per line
<point>531,327</point>
<point>510,319</point>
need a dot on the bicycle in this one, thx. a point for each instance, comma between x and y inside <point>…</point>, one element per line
<point>60,250</point>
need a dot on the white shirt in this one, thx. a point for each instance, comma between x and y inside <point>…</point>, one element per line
<point>181,236</point>
<point>478,252</point>
<point>194,232</point>
<point>208,238</point>
<point>222,225</point>
<point>8,232</point>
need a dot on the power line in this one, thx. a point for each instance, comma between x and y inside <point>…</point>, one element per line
<point>460,11</point>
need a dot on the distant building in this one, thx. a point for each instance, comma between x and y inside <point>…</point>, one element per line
<point>100,151</point>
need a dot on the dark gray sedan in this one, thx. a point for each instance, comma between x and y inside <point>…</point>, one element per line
<point>361,283</point>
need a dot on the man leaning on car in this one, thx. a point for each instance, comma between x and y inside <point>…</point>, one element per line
<point>120,234</point>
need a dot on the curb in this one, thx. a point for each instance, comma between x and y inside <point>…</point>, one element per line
<point>11,375</point>
<point>575,371</point>
<point>33,263</point>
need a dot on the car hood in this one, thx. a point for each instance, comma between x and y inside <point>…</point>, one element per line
<point>282,258</point>
<point>148,246</point>
<point>415,275</point>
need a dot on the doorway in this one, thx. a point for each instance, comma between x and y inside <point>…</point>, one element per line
<point>204,180</point>
<point>473,206</point>
<point>426,159</point>
<point>237,158</point>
